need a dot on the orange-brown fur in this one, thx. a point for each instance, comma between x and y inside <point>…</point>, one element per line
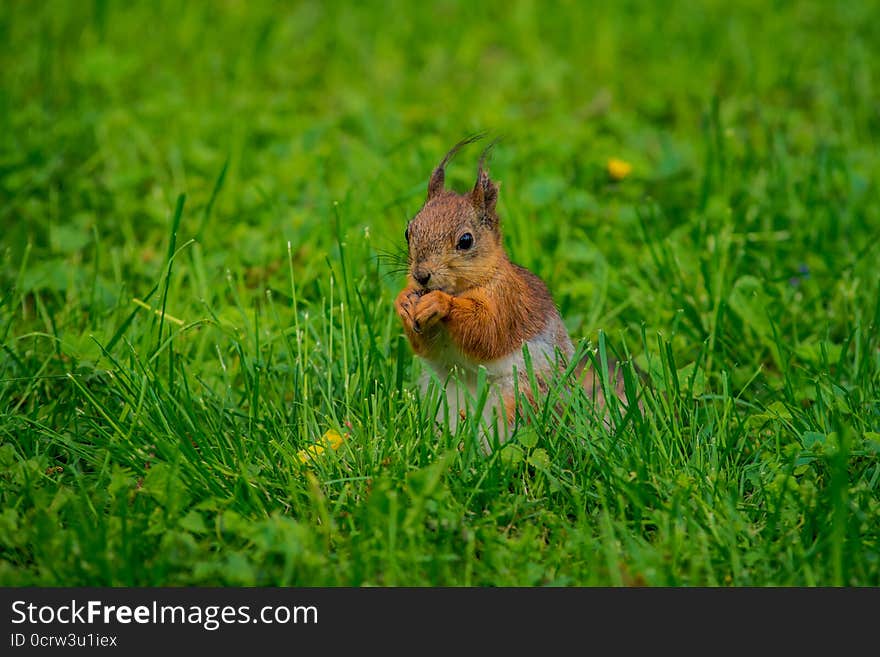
<point>475,298</point>
<point>486,322</point>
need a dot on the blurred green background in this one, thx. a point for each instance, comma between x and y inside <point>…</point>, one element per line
<point>737,263</point>
<point>111,109</point>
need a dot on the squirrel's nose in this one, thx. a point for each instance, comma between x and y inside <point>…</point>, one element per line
<point>422,277</point>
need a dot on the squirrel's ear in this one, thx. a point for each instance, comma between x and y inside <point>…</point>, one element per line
<point>485,194</point>
<point>435,184</point>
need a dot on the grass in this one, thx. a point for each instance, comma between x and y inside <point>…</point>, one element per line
<point>198,203</point>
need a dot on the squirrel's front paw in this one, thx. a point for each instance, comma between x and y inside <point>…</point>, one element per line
<point>430,309</point>
<point>405,304</point>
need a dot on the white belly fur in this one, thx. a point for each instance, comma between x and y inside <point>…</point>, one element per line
<point>458,376</point>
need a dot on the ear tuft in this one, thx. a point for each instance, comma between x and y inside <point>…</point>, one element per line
<point>438,177</point>
<point>485,194</point>
<point>435,184</point>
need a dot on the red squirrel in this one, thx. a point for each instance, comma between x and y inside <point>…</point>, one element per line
<point>467,305</point>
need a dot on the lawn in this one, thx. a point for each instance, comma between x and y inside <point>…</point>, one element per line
<point>202,208</point>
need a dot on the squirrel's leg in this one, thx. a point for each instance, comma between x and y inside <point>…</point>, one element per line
<point>509,401</point>
<point>472,322</point>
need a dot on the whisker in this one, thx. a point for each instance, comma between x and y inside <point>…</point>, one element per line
<point>398,255</point>
<point>391,261</point>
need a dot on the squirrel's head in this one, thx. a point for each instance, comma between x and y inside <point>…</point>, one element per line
<point>454,240</point>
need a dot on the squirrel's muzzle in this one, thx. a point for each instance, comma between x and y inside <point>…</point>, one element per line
<point>422,277</point>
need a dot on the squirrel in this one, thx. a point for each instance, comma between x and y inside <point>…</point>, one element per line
<point>466,305</point>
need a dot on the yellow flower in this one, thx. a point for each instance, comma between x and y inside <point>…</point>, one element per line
<point>331,440</point>
<point>619,169</point>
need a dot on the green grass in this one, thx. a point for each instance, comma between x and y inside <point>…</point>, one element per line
<point>248,167</point>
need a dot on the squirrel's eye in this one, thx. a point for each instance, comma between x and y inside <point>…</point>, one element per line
<point>406,234</point>
<point>465,242</point>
